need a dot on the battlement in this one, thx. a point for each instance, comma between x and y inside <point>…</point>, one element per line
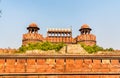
<point>60,66</point>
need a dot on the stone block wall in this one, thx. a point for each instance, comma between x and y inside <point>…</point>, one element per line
<point>77,66</point>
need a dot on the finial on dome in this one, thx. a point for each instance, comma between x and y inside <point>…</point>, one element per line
<point>85,26</point>
<point>33,25</point>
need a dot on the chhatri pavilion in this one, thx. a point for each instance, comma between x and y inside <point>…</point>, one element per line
<point>86,37</point>
<point>32,36</point>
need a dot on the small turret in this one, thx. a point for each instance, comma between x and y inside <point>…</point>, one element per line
<point>86,37</point>
<point>33,28</point>
<point>32,36</point>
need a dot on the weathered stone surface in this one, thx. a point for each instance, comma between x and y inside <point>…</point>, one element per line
<point>69,65</point>
<point>75,49</point>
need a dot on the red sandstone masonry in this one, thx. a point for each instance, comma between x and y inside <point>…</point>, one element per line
<point>78,64</point>
<point>31,66</point>
<point>10,66</point>
<point>20,66</point>
<point>2,62</point>
<point>51,65</point>
<point>95,61</point>
<point>96,65</point>
<point>70,65</point>
<point>82,76</point>
<point>115,66</point>
<point>115,62</point>
<point>60,61</point>
<point>41,65</point>
<point>60,66</point>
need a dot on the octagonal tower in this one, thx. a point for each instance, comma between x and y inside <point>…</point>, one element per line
<point>32,36</point>
<point>86,37</point>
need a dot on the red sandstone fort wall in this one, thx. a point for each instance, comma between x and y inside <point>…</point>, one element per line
<point>74,64</point>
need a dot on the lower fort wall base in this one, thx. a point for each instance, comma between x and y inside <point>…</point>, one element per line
<point>60,67</point>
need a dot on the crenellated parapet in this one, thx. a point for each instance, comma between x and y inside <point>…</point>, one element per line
<point>30,37</point>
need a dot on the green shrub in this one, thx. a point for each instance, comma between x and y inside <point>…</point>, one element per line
<point>109,49</point>
<point>58,46</point>
<point>95,48</point>
<point>92,49</point>
<point>42,46</point>
<point>22,48</point>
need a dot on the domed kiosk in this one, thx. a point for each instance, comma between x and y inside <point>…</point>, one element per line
<point>86,37</point>
<point>32,36</point>
<point>33,28</point>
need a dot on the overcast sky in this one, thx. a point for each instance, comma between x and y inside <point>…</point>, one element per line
<point>103,16</point>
